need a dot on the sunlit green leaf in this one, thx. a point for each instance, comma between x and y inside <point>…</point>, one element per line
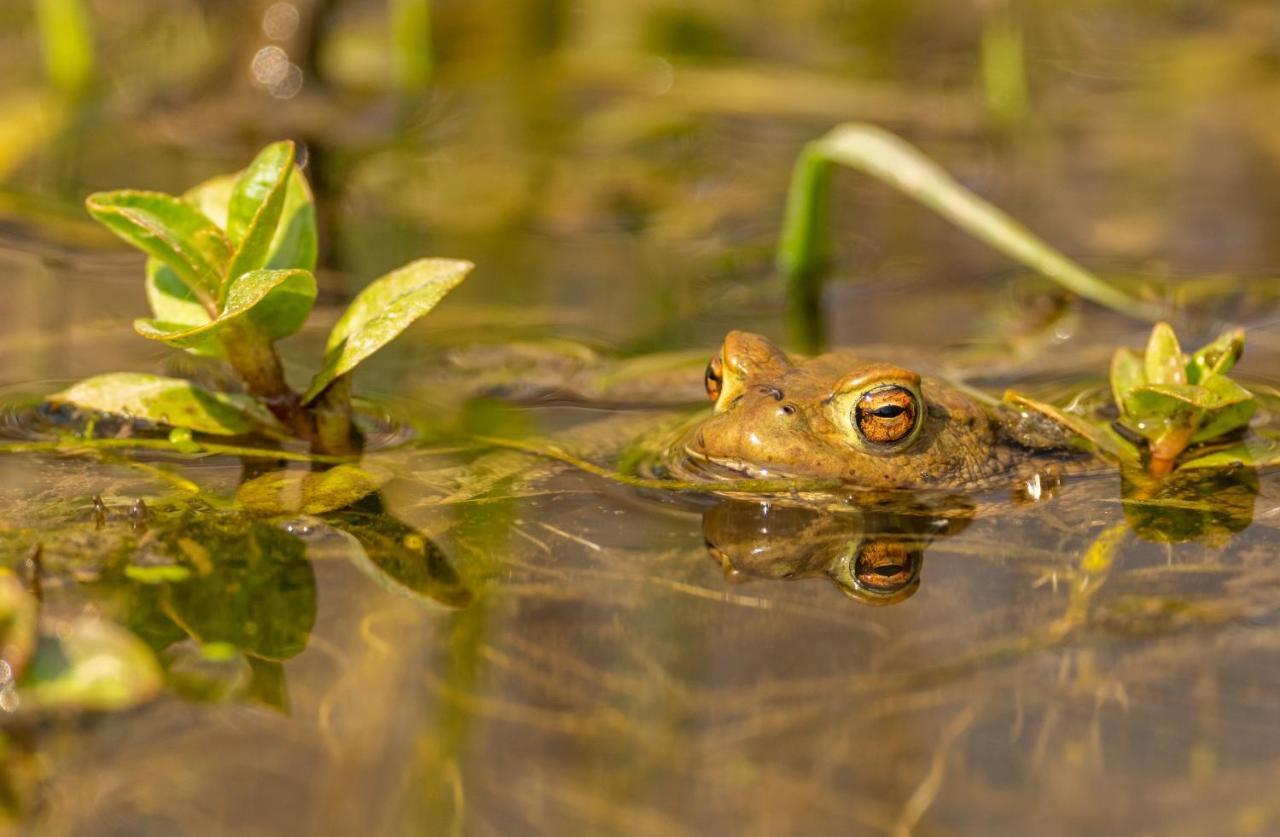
<point>89,664</point>
<point>213,196</point>
<point>272,303</point>
<point>255,208</point>
<point>169,401</point>
<point>1260,448</point>
<point>382,311</point>
<point>295,242</point>
<point>170,230</point>
<point>259,189</point>
<point>1127,373</point>
<point>1230,409</point>
<point>1216,358</point>
<point>309,492</point>
<point>1163,361</point>
<point>170,299</point>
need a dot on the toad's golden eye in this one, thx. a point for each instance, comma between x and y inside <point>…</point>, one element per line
<point>715,377</point>
<point>886,415</point>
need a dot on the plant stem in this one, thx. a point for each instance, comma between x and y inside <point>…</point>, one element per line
<point>256,361</point>
<point>335,431</point>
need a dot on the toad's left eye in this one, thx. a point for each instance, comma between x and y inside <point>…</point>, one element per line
<point>886,415</point>
<point>714,377</point>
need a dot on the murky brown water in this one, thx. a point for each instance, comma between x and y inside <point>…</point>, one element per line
<point>583,657</point>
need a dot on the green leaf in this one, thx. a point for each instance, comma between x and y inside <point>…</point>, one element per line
<point>169,229</point>
<point>1258,449</point>
<point>1127,374</point>
<point>294,246</point>
<point>1164,362</point>
<point>90,664</point>
<point>295,242</point>
<point>213,196</point>
<point>1216,358</point>
<point>169,401</point>
<point>309,492</point>
<point>382,311</point>
<point>256,203</point>
<point>273,303</point>
<point>169,297</point>
<point>1229,407</point>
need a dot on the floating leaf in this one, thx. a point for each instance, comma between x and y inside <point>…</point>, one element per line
<point>169,401</point>
<point>309,492</point>
<point>1217,358</point>
<point>273,303</point>
<point>1163,362</point>
<point>169,229</point>
<point>254,210</point>
<point>382,311</point>
<point>89,664</point>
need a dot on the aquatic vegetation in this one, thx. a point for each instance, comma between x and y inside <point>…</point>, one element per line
<point>1173,400</point>
<point>229,272</point>
<point>802,244</point>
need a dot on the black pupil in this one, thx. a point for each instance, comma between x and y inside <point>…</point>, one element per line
<point>888,411</point>
<point>711,374</point>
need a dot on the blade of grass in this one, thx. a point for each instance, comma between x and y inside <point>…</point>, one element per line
<point>895,162</point>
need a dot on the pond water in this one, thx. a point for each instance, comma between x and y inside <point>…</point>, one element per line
<point>497,642</point>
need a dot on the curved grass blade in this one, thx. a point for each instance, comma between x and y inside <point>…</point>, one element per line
<point>170,401</point>
<point>382,311</point>
<point>891,160</point>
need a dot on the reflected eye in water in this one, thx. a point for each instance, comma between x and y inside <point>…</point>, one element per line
<point>887,567</point>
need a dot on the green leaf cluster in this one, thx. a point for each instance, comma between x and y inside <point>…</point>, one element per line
<point>230,272</point>
<point>1173,399</point>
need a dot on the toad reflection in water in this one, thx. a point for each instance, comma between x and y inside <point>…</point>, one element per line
<point>872,555</point>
